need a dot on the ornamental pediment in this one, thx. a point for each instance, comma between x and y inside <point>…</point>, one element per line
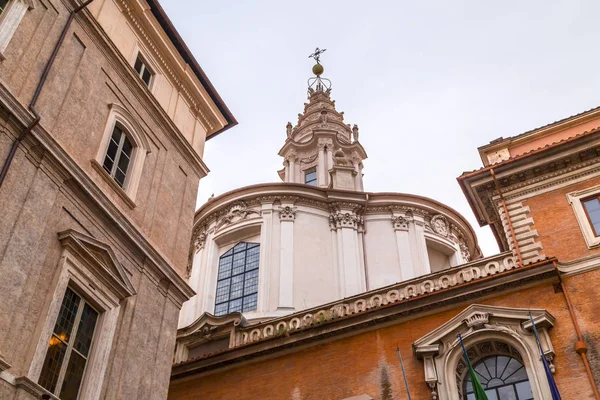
<point>477,317</point>
<point>100,259</point>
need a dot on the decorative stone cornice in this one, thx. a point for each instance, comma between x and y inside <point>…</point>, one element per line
<point>287,213</point>
<point>193,100</point>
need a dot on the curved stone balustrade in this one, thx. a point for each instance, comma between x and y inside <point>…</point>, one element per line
<point>377,298</point>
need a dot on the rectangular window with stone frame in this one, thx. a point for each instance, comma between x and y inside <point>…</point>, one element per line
<point>310,177</point>
<point>591,205</point>
<point>145,73</point>
<point>69,347</point>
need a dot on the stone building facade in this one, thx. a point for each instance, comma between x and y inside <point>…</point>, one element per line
<point>539,193</point>
<point>103,118</point>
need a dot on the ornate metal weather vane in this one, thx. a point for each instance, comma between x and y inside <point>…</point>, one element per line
<point>317,83</point>
<point>317,54</point>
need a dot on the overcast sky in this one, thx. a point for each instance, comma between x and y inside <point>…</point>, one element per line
<point>427,82</point>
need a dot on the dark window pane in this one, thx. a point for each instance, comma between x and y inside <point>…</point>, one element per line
<point>127,147</point>
<point>228,253</point>
<point>123,164</point>
<point>3,4</point>
<point>73,376</point>
<point>146,77</point>
<point>139,64</point>
<point>52,364</point>
<point>66,315</point>
<point>111,153</point>
<point>120,177</point>
<point>85,331</point>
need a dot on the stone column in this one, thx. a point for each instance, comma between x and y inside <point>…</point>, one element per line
<point>287,171</point>
<point>407,267</point>
<point>264,270</point>
<point>287,214</point>
<point>346,219</point>
<point>421,245</point>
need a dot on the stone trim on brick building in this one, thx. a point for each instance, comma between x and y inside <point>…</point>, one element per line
<point>369,310</point>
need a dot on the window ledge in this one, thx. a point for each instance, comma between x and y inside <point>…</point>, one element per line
<point>118,189</point>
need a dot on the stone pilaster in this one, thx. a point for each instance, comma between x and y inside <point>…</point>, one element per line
<point>287,215</point>
<point>264,271</point>
<point>422,258</point>
<point>345,220</point>
<point>401,226</point>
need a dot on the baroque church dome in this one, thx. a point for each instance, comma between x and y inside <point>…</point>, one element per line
<point>269,250</point>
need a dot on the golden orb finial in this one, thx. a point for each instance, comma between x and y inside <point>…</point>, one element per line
<point>317,69</point>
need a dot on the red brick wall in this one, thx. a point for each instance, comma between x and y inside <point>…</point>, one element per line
<point>556,224</point>
<point>367,362</point>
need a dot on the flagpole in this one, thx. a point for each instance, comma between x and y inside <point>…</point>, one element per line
<point>403,372</point>
<point>551,383</point>
<point>478,390</point>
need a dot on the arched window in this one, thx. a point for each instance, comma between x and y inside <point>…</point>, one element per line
<point>500,370</point>
<point>237,279</point>
<point>118,155</point>
<point>122,151</point>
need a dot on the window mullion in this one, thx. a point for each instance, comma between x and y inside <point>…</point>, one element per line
<point>69,350</point>
<point>113,171</point>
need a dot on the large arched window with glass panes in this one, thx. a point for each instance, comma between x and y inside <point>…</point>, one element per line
<point>237,279</point>
<point>499,367</point>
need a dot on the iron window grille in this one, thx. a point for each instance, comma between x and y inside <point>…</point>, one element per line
<point>69,347</point>
<point>237,280</point>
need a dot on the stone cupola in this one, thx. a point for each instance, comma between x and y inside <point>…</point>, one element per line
<point>321,149</point>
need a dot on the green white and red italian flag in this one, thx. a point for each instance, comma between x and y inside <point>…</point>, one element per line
<point>478,390</point>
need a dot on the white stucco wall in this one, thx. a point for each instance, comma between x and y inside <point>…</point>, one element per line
<point>312,248</point>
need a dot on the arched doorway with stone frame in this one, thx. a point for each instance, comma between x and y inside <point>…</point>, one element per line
<point>488,332</point>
